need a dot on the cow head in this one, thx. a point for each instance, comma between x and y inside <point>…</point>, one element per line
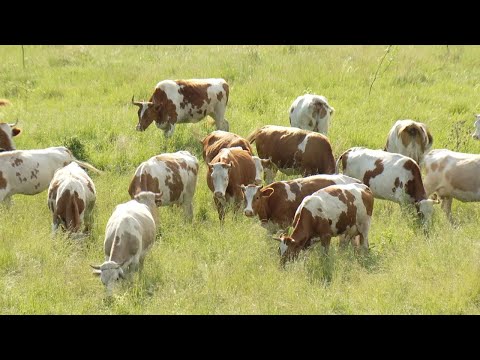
<point>289,248</point>
<point>425,209</point>
<point>109,273</point>
<point>7,132</point>
<point>220,175</point>
<point>255,198</point>
<point>147,113</point>
<point>264,168</point>
<point>476,125</point>
<point>149,198</point>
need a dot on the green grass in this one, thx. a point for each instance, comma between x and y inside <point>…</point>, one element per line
<point>79,96</point>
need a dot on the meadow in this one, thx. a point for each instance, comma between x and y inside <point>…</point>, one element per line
<point>80,97</point>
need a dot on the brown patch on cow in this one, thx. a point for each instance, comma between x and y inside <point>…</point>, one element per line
<point>205,112</point>
<point>407,133</point>
<point>34,174</point>
<point>165,107</point>
<point>348,218</point>
<point>227,91</point>
<point>291,110</point>
<point>434,166</point>
<point>430,137</point>
<point>90,187</point>
<point>397,184</point>
<point>372,173</point>
<point>414,187</point>
<point>386,145</point>
<point>69,207</point>
<point>367,198</point>
<point>193,93</point>
<point>52,193</point>
<point>17,162</point>
<point>199,112</point>
<point>3,181</point>
<point>295,188</point>
<point>214,142</point>
<point>173,181</point>
<point>319,109</point>
<point>144,182</point>
<point>65,163</point>
<point>5,142</point>
<point>220,96</point>
<point>442,164</point>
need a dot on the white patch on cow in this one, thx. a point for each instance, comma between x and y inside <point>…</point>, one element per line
<point>290,195</point>
<point>250,192</point>
<point>258,170</point>
<point>219,178</point>
<point>283,247</point>
<point>144,108</point>
<point>303,144</point>
<point>303,113</point>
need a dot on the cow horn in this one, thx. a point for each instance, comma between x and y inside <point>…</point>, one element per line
<point>277,238</point>
<point>96,267</point>
<point>12,125</point>
<point>138,103</point>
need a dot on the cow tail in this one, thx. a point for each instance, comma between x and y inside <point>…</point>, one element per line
<point>72,218</point>
<point>251,138</point>
<point>337,164</point>
<point>87,166</point>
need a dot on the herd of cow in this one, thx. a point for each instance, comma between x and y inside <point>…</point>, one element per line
<point>320,205</point>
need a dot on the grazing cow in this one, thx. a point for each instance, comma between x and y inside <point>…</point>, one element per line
<point>129,234</point>
<point>228,170</point>
<point>184,101</point>
<point>277,202</point>
<point>174,175</point>
<point>294,150</point>
<point>476,125</point>
<point>409,138</point>
<point>7,132</point>
<point>452,175</point>
<point>337,210</point>
<point>390,176</point>
<point>311,112</point>
<point>71,198</point>
<point>30,172</point>
<point>219,139</point>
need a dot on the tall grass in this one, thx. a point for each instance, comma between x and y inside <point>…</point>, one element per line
<point>79,96</point>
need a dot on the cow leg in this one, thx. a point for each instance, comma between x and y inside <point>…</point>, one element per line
<point>325,241</point>
<point>447,207</point>
<point>188,209</point>
<point>220,122</point>
<point>7,201</point>
<point>220,209</point>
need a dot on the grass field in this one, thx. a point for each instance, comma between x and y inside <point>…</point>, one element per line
<point>79,96</point>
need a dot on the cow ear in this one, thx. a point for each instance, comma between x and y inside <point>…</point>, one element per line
<point>16,131</point>
<point>267,192</point>
<point>158,198</point>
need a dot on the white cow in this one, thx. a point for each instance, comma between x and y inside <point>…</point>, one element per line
<point>452,175</point>
<point>409,138</point>
<point>184,101</point>
<point>71,198</point>
<point>390,176</point>
<point>130,233</point>
<point>311,112</point>
<point>174,175</point>
<point>30,172</point>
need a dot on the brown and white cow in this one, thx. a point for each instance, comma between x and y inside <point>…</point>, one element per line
<point>294,151</point>
<point>390,176</point>
<point>452,175</point>
<point>174,175</point>
<point>311,112</point>
<point>184,101</point>
<point>277,203</point>
<point>409,138</point>
<point>7,132</point>
<point>30,172</point>
<point>337,210</point>
<point>130,233</point>
<point>476,125</point>
<point>71,198</point>
<point>220,139</point>
<point>228,170</point>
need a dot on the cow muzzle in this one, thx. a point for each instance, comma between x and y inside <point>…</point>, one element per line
<point>475,136</point>
<point>139,128</point>
<point>248,213</point>
<point>219,195</point>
